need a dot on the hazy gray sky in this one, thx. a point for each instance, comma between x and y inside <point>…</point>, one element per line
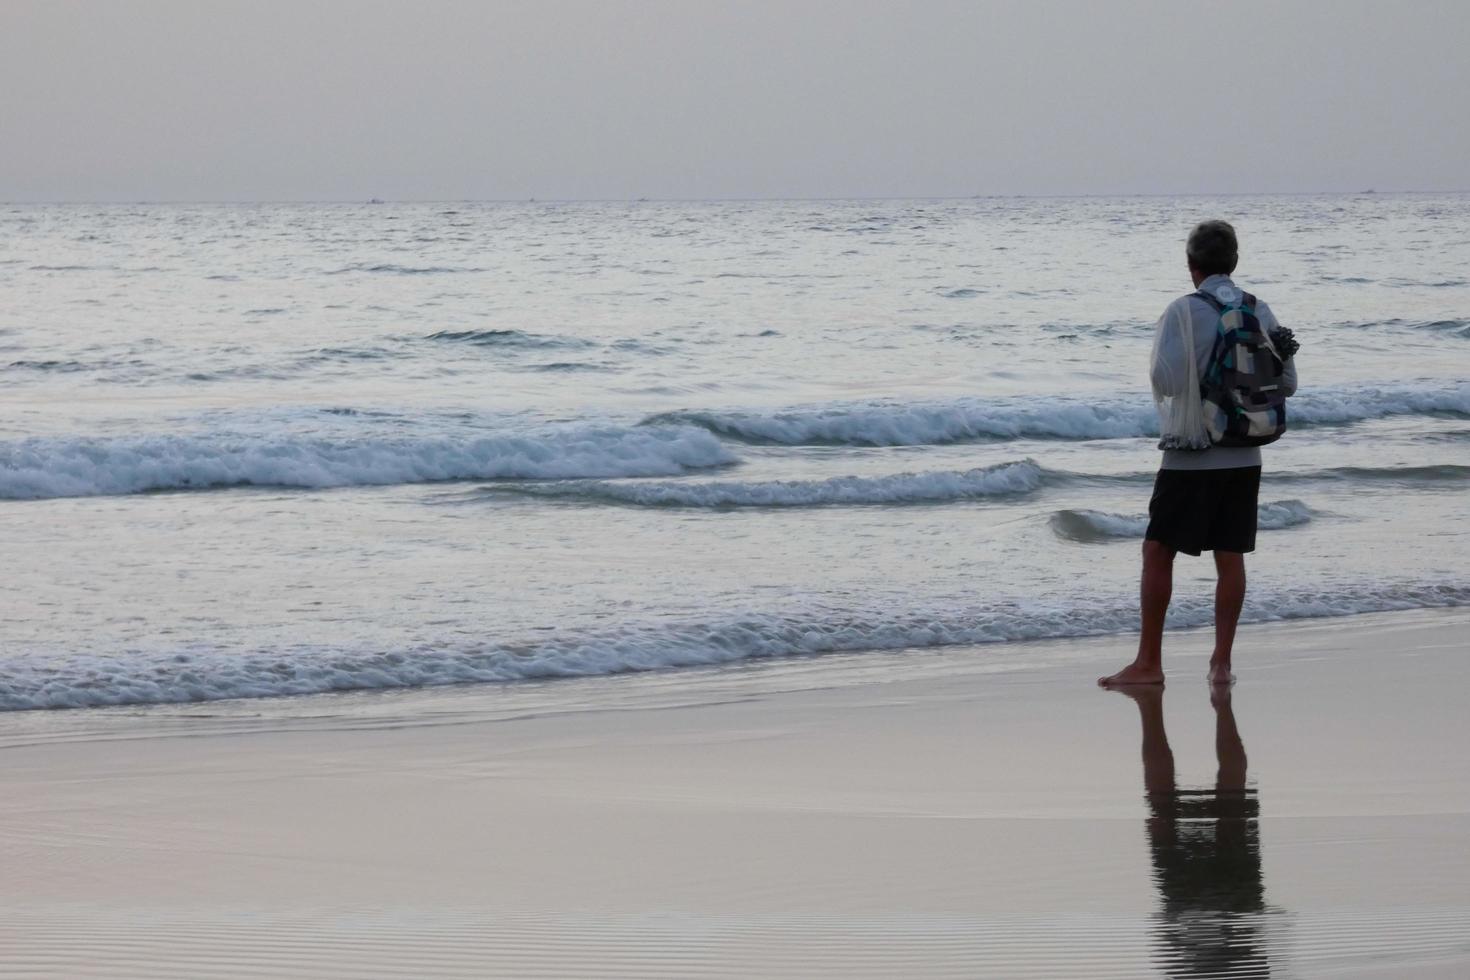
<point>267,100</point>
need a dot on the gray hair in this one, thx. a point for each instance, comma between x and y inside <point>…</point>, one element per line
<point>1212,248</point>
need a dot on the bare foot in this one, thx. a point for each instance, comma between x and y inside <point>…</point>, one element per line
<point>1220,674</point>
<point>1133,674</point>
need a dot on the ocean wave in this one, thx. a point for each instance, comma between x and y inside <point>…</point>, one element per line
<point>330,354</point>
<point>42,468</point>
<point>506,338</point>
<point>971,419</point>
<point>31,680</point>
<point>55,366</point>
<point>920,424</point>
<point>1453,327</point>
<point>400,270</point>
<point>1348,405</point>
<point>1022,476</point>
<point>1088,526</point>
<point>1408,476</point>
<point>1451,435</point>
<point>571,367</point>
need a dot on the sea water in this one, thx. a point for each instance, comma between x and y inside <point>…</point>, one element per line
<point>290,449</point>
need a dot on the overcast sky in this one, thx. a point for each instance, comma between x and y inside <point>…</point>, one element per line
<point>265,100</point>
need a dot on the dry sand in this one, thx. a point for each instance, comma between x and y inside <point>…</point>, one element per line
<point>926,814</point>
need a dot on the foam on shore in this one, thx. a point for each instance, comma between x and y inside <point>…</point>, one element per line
<point>161,676</point>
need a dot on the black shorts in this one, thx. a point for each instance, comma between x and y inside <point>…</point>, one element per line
<point>1205,510</point>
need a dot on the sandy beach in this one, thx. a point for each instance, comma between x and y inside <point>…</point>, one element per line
<point>915,814</point>
<point>511,489</point>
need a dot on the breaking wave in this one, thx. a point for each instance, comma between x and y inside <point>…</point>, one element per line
<point>897,424</point>
<point>41,468</point>
<point>917,424</point>
<point>33,680</point>
<point>1018,477</point>
<point>1090,526</point>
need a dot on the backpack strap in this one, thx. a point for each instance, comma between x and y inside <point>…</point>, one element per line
<point>1246,300</point>
<point>1215,304</point>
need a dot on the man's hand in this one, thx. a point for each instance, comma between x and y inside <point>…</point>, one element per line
<point>1285,342</point>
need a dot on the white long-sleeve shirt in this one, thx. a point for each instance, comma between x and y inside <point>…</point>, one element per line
<point>1170,375</point>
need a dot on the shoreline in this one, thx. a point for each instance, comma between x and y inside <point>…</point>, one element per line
<point>682,685</point>
<point>1003,633</point>
<point>925,814</point>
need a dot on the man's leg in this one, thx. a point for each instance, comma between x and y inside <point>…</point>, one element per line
<point>1155,589</point>
<point>1229,597</point>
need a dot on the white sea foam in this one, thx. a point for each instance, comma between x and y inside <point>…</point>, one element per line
<point>73,467</point>
<point>1347,405</point>
<point>1044,417</point>
<point>1022,476</point>
<point>34,680</point>
<point>1283,514</point>
<point>1092,525</point>
<point>888,424</point>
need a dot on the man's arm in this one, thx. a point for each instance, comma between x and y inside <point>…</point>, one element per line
<point>1170,369</point>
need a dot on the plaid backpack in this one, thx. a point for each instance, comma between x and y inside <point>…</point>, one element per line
<point>1244,400</point>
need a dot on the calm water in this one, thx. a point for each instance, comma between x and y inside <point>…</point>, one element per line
<point>257,450</point>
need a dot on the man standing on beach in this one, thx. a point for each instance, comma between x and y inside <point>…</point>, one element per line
<point>1205,495</point>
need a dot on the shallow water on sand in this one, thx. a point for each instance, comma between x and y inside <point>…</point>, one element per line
<point>916,814</point>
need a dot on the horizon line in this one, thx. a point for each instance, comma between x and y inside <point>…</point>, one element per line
<point>719,200</point>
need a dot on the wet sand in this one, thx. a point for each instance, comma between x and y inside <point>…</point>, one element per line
<point>919,815</point>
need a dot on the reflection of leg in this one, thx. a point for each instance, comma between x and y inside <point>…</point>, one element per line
<point>1158,758</point>
<point>1237,846</point>
<point>1162,824</point>
<point>1229,750</point>
<point>1156,587</point>
<point>1229,597</point>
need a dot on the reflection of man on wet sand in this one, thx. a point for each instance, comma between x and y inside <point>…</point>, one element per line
<point>1206,851</point>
